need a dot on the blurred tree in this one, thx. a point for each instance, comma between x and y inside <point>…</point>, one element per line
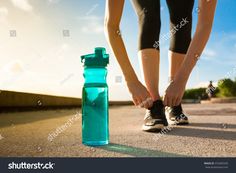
<point>227,88</point>
<point>196,93</point>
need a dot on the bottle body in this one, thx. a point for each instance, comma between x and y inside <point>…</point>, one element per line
<point>95,115</point>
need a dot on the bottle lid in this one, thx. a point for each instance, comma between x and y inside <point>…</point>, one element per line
<point>98,59</point>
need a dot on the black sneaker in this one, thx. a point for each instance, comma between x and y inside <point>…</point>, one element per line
<point>155,118</point>
<point>176,116</point>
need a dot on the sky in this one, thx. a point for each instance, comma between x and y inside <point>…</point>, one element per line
<point>41,42</point>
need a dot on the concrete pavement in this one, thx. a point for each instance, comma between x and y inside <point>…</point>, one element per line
<point>212,133</point>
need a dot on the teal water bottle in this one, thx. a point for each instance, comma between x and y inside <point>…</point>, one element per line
<point>95,119</point>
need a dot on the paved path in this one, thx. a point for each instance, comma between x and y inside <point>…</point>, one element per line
<point>212,133</point>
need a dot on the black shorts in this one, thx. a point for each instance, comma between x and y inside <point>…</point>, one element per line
<point>180,11</point>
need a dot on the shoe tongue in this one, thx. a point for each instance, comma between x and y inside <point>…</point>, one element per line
<point>158,102</point>
<point>157,108</point>
<point>177,110</point>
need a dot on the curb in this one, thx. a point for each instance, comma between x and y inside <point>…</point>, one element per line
<point>220,100</point>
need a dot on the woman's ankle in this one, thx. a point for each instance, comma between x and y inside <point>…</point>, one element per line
<point>155,97</point>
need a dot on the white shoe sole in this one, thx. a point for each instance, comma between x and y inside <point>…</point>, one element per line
<point>180,122</point>
<point>156,127</point>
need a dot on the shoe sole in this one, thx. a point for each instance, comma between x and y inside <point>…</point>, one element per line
<point>155,128</point>
<point>181,122</point>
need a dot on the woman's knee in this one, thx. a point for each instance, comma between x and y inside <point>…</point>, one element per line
<point>148,12</point>
<point>181,35</point>
<point>149,31</point>
<point>180,24</point>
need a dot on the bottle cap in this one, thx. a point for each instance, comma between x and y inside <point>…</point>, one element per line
<point>98,59</point>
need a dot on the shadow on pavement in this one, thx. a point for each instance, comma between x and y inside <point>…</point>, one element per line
<point>204,133</point>
<point>212,112</point>
<point>138,152</point>
<point>214,125</point>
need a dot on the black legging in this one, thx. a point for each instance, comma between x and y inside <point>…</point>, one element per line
<point>148,12</point>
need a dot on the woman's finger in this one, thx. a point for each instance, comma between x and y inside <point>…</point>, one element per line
<point>168,101</point>
<point>150,102</point>
<point>145,104</point>
<point>165,100</point>
<point>172,101</point>
<point>140,102</point>
<point>135,101</point>
<point>141,105</point>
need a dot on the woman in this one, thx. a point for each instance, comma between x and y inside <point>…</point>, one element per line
<point>183,54</point>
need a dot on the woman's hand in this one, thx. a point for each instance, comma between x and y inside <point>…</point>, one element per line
<point>113,15</point>
<point>140,95</point>
<point>174,93</point>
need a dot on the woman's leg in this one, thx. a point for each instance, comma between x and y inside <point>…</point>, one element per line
<point>150,59</point>
<point>181,26</point>
<point>175,61</point>
<point>148,12</point>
